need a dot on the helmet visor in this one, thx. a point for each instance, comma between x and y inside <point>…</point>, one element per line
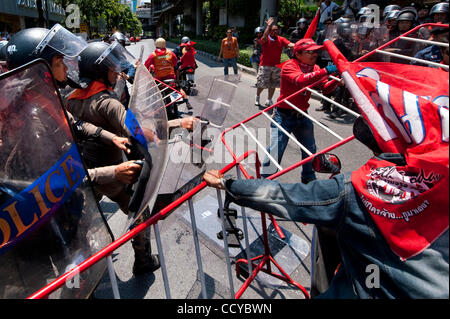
<point>116,58</point>
<point>63,41</point>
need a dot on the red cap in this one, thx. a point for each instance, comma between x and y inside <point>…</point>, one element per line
<point>306,44</point>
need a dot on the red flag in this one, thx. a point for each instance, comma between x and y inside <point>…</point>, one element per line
<point>406,107</point>
<point>313,26</point>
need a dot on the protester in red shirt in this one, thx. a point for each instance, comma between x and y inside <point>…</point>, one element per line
<point>269,74</point>
<point>296,74</point>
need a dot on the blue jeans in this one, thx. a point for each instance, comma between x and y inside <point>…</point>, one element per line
<point>230,62</point>
<point>303,130</point>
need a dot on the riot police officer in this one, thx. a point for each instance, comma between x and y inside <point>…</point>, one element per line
<point>300,31</point>
<point>99,65</point>
<point>439,12</point>
<point>25,48</point>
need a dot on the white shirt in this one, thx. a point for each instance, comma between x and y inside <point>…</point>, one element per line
<point>327,11</point>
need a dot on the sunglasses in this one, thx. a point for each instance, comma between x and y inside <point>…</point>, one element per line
<point>312,52</point>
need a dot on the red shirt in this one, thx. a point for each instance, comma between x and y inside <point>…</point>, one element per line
<point>271,51</point>
<point>293,79</point>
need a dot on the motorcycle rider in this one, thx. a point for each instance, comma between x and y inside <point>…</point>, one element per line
<point>162,62</point>
<point>186,61</point>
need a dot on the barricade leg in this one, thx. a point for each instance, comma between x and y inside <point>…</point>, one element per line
<point>112,278</point>
<point>244,222</point>
<point>197,248</point>
<point>225,241</point>
<point>266,260</point>
<point>162,261</point>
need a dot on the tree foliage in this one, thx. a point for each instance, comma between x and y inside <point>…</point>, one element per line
<point>116,15</point>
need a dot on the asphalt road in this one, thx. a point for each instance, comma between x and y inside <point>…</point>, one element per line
<point>184,280</point>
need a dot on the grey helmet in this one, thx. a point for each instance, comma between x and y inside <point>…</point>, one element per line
<point>258,30</point>
<point>390,8</point>
<point>343,20</point>
<point>364,11</point>
<point>120,37</point>
<point>344,29</point>
<point>185,40</point>
<point>441,7</point>
<point>301,21</point>
<point>392,15</point>
<point>407,14</point>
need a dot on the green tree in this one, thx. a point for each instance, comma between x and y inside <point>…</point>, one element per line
<point>117,16</point>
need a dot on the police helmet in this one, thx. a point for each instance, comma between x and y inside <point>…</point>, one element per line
<point>88,64</point>
<point>439,8</point>
<point>301,21</point>
<point>344,29</point>
<point>30,44</point>
<point>99,57</point>
<point>119,37</point>
<point>258,30</point>
<point>363,12</point>
<point>390,8</point>
<point>343,20</point>
<point>392,15</point>
<point>407,14</point>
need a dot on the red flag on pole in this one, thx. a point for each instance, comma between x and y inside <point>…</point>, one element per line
<point>313,26</point>
<point>406,107</point>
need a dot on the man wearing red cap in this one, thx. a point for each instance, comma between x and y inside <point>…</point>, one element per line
<point>297,73</point>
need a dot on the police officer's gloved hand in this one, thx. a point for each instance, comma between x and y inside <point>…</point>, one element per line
<point>331,69</point>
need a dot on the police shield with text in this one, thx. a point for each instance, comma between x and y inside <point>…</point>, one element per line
<point>49,218</point>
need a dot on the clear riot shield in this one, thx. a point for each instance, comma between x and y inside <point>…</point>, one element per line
<point>188,153</point>
<point>147,122</point>
<point>219,99</point>
<point>49,218</point>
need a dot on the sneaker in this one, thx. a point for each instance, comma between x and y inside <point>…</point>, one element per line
<point>147,265</point>
<point>257,101</point>
<point>268,103</point>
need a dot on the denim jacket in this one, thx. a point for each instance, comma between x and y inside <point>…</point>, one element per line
<point>333,203</point>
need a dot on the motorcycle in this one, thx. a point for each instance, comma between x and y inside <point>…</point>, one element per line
<point>325,253</point>
<point>186,79</point>
<point>172,99</point>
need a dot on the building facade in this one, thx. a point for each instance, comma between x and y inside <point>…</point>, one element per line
<point>16,15</point>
